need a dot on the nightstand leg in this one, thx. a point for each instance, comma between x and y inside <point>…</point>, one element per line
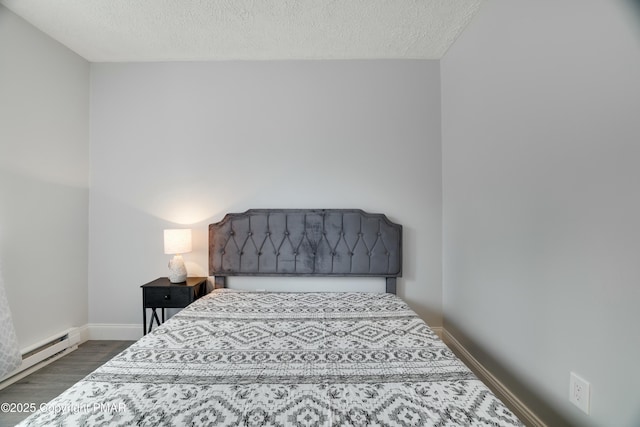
<point>144,321</point>
<point>154,315</point>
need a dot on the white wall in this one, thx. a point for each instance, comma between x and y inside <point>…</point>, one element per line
<point>541,216</point>
<point>44,172</point>
<point>177,144</point>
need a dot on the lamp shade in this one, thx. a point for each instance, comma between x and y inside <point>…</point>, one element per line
<point>177,241</point>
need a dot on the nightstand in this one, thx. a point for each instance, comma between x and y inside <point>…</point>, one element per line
<point>161,293</point>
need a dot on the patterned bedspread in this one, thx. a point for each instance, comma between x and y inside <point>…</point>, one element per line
<point>283,359</point>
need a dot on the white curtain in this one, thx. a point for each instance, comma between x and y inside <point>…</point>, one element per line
<point>10,357</point>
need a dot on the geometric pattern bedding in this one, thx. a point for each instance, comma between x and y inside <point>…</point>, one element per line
<point>10,356</point>
<point>283,359</point>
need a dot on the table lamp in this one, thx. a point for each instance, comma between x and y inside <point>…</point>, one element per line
<point>177,242</point>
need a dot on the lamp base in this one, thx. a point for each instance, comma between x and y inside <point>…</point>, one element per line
<point>177,270</point>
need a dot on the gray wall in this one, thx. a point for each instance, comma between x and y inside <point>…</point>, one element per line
<point>44,173</point>
<point>540,153</point>
<point>541,208</point>
<point>181,144</point>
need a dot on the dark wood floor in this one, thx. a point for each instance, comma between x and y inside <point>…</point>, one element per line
<point>48,382</point>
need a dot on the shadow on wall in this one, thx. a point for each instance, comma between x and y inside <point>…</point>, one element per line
<point>536,403</point>
<point>43,234</point>
<point>635,5</point>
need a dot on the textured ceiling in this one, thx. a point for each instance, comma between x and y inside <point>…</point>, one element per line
<point>168,30</point>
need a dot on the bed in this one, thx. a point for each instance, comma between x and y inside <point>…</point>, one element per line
<point>288,358</point>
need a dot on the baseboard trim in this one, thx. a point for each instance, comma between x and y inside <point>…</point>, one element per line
<point>437,330</point>
<point>82,334</point>
<point>108,331</point>
<point>510,399</point>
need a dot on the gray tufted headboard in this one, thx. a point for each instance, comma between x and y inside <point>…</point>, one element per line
<point>305,242</point>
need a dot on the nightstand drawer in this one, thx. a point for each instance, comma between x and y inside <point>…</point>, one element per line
<point>168,297</point>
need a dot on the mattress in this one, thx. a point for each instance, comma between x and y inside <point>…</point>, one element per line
<point>283,359</point>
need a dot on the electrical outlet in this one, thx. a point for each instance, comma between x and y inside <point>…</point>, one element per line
<point>579,391</point>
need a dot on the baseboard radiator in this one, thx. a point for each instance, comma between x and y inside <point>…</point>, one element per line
<point>42,353</point>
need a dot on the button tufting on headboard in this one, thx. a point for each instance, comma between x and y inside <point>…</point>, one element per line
<point>305,242</point>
